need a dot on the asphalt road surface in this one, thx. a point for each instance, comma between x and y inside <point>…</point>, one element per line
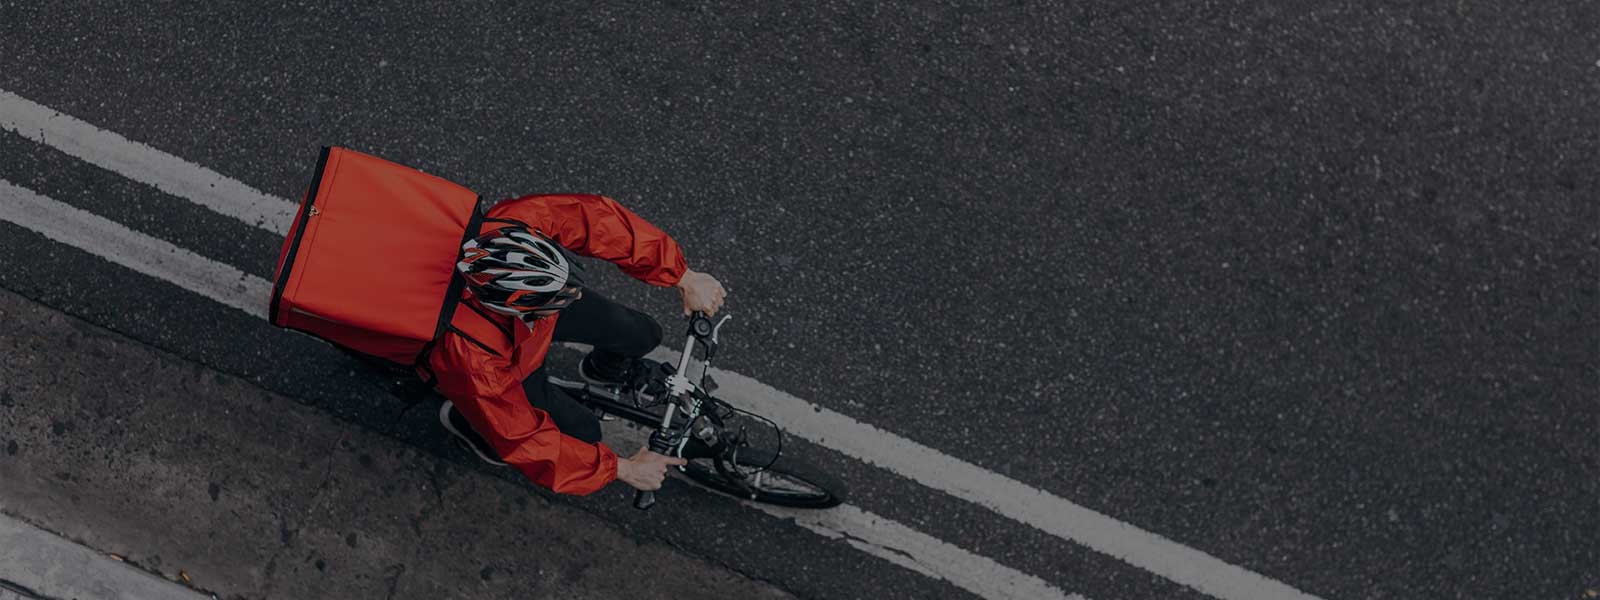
<point>1309,288</point>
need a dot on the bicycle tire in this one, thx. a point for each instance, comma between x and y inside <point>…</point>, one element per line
<point>825,491</point>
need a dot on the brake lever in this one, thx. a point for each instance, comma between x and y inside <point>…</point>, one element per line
<point>718,328</point>
<point>706,332</point>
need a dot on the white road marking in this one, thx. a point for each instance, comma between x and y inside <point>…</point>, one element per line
<point>1005,496</point>
<point>1026,504</point>
<point>918,551</point>
<point>144,164</point>
<point>1008,497</point>
<point>116,243</point>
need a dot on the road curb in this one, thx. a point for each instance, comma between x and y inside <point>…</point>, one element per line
<point>37,564</point>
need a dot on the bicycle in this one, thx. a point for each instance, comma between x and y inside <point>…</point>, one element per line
<point>713,435</point>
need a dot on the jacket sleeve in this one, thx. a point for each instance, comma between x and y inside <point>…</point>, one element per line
<point>598,227</point>
<point>524,436</point>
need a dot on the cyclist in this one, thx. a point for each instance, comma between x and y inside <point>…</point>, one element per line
<point>520,279</point>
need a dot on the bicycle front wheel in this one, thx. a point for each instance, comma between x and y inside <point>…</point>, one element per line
<point>784,482</point>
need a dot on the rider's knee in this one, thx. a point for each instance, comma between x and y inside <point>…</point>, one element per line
<point>654,336</point>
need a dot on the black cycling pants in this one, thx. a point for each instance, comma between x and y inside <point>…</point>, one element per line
<point>618,333</point>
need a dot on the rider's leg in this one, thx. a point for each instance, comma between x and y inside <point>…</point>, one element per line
<point>619,334</point>
<point>570,417</point>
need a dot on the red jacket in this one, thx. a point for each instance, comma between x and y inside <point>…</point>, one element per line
<point>486,384</point>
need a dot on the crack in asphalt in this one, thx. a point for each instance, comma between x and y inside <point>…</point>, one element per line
<point>845,535</point>
<point>726,565</point>
<point>394,581</point>
<point>287,535</point>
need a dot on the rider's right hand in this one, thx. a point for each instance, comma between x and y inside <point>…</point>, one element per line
<point>701,292</point>
<point>645,470</point>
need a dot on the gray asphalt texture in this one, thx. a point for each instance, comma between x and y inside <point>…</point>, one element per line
<point>1309,287</point>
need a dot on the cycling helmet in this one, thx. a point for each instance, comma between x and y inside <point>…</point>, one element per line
<point>516,272</point>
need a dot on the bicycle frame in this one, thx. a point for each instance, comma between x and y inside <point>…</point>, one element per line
<point>677,429</point>
<point>609,402</point>
<point>668,438</point>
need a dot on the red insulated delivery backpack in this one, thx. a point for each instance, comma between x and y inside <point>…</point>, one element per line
<point>369,263</point>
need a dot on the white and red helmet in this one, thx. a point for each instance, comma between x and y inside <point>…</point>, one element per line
<point>516,272</point>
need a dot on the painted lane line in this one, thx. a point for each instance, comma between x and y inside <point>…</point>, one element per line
<point>1008,497</point>
<point>224,284</point>
<point>145,164</point>
<point>919,552</point>
<point>114,242</point>
<point>1013,499</point>
<point>1023,503</point>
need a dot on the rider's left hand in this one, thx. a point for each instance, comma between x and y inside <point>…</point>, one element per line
<point>701,292</point>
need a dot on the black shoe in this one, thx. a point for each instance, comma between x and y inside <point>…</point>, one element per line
<point>465,436</point>
<point>642,375</point>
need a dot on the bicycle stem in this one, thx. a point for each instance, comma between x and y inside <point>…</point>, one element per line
<point>708,341</point>
<point>688,353</point>
<point>659,442</point>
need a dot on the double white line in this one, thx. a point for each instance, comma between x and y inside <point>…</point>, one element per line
<point>871,533</point>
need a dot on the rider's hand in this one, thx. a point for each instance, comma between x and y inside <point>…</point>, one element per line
<point>701,292</point>
<point>646,469</point>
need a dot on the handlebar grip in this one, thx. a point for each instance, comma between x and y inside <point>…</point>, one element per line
<point>659,444</point>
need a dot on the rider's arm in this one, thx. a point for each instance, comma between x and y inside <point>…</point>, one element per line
<point>524,436</point>
<point>599,227</point>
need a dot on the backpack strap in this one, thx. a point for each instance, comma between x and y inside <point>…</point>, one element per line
<point>483,331</point>
<point>507,221</point>
<point>452,297</point>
